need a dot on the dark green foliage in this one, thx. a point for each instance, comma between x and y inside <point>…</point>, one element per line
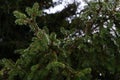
<point>44,59</point>
<point>15,37</point>
<point>63,55</point>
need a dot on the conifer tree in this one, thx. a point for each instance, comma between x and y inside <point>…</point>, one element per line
<point>88,49</point>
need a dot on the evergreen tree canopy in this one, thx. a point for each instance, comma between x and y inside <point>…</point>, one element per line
<point>88,48</point>
<point>14,37</point>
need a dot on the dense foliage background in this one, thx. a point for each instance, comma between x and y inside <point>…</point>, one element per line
<point>52,47</point>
